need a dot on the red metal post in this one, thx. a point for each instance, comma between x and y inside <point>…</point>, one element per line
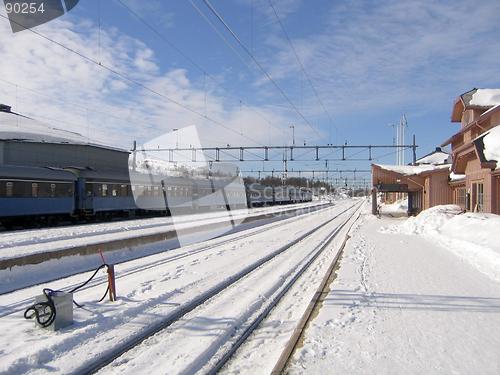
<point>111,283</point>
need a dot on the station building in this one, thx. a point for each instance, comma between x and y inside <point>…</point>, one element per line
<point>469,177</point>
<point>476,151</point>
<point>424,184</point>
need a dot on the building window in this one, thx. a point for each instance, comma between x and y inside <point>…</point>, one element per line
<point>460,197</point>
<point>478,196</point>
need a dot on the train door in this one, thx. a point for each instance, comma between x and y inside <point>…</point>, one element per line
<point>84,195</point>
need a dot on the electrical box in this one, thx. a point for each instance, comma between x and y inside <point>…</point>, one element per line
<point>63,303</point>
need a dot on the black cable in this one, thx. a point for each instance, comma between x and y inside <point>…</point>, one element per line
<point>43,309</point>
<point>45,312</point>
<point>90,279</point>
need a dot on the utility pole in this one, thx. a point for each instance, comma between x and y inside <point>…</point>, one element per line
<point>177,138</point>
<point>285,165</point>
<point>403,124</point>
<point>293,134</point>
<point>414,148</point>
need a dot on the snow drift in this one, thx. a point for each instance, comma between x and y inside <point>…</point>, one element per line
<point>472,236</point>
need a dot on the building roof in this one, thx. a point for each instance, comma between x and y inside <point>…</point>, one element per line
<point>413,170</point>
<point>488,148</point>
<point>19,172</point>
<point>483,117</point>
<point>475,98</point>
<point>19,128</point>
<point>435,157</point>
<point>456,177</point>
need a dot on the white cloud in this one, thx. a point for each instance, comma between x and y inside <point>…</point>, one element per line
<point>80,96</point>
<point>395,54</point>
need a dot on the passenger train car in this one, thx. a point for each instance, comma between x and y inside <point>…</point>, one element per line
<point>35,195</point>
<point>52,175</point>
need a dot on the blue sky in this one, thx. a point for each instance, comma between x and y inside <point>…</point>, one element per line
<point>370,62</point>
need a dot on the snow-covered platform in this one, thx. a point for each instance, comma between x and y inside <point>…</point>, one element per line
<point>33,256</point>
<point>411,296</point>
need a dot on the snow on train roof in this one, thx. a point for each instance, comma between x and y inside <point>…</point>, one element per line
<point>17,171</point>
<point>174,169</point>
<point>16,127</point>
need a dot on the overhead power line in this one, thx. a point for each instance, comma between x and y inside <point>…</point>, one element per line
<point>259,65</point>
<point>301,64</point>
<point>131,80</point>
<point>200,68</point>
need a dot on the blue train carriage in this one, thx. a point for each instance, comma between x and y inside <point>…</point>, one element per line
<point>280,194</point>
<point>181,194</point>
<point>259,195</point>
<point>221,193</point>
<point>103,193</point>
<point>305,194</point>
<point>293,194</point>
<point>34,194</point>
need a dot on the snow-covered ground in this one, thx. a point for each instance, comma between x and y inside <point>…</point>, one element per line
<point>473,237</point>
<point>398,208</point>
<point>413,296</point>
<point>149,289</point>
<point>52,239</point>
<point>18,243</point>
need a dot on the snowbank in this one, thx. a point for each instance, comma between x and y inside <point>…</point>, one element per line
<point>472,236</point>
<point>492,145</point>
<point>398,207</point>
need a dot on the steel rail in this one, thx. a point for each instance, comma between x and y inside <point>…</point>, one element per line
<point>318,297</point>
<point>256,322</point>
<point>99,281</point>
<point>182,310</point>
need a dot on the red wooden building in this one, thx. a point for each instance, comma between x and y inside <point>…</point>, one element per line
<point>475,151</point>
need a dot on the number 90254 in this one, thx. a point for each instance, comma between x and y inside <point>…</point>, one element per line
<point>24,8</point>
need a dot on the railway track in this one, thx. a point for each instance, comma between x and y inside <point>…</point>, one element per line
<point>280,216</point>
<point>235,339</point>
<point>100,281</point>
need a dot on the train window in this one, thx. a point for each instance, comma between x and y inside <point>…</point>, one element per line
<point>114,191</point>
<point>44,190</point>
<point>104,190</point>
<point>52,190</point>
<point>123,190</point>
<point>9,189</point>
<point>34,190</point>
<point>89,190</point>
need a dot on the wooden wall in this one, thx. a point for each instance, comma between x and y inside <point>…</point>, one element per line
<point>440,191</point>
